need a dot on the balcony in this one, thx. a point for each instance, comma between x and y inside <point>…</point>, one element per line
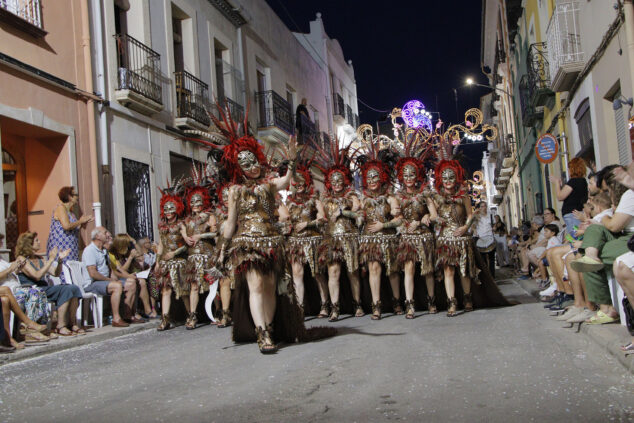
<point>563,36</point>
<point>349,115</point>
<point>530,114</point>
<point>538,74</point>
<point>339,109</point>
<point>232,107</point>
<point>192,100</point>
<point>307,133</point>
<point>500,55</point>
<point>25,15</point>
<point>138,76</point>
<point>275,120</point>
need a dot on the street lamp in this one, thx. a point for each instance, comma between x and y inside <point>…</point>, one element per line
<point>470,81</point>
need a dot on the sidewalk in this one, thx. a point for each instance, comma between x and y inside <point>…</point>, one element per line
<point>610,336</point>
<point>66,342</point>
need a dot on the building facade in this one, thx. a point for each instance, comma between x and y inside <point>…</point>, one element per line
<point>47,112</point>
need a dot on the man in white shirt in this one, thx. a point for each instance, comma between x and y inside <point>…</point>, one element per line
<point>484,232</point>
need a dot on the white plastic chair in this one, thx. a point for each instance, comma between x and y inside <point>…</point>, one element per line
<point>77,274</point>
<point>11,317</point>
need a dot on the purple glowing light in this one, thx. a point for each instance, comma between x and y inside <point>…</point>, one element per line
<point>415,115</point>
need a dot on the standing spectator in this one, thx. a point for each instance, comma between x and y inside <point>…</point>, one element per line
<point>484,233</point>
<point>65,297</point>
<point>574,193</point>
<point>64,230</point>
<point>301,110</point>
<point>95,257</point>
<point>501,247</point>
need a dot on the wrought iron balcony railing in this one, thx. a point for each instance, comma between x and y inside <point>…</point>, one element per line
<point>565,54</point>
<point>236,110</point>
<point>192,97</point>
<point>538,74</point>
<point>349,115</point>
<point>356,121</point>
<point>274,111</point>
<point>530,113</point>
<point>338,106</point>
<point>29,11</point>
<point>500,54</point>
<point>139,68</point>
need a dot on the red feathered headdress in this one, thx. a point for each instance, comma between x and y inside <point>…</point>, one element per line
<point>333,160</point>
<point>172,194</point>
<point>416,150</point>
<point>448,164</point>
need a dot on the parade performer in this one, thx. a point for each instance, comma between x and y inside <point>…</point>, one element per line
<point>340,245</point>
<point>454,247</point>
<point>417,243</point>
<point>222,259</point>
<point>378,240</point>
<point>198,229</point>
<point>306,212</point>
<point>170,264</point>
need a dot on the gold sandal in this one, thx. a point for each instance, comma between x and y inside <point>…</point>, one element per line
<point>452,306</point>
<point>334,313</point>
<point>165,323</point>
<point>409,307</point>
<point>265,340</point>
<point>376,310</point>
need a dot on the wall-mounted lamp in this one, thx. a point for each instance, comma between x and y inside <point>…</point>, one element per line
<point>617,103</point>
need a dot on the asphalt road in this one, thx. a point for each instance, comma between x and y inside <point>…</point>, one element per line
<point>507,364</point>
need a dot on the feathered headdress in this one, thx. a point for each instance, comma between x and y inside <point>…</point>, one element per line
<point>448,164</point>
<point>201,185</point>
<point>173,193</point>
<point>332,160</point>
<point>417,150</point>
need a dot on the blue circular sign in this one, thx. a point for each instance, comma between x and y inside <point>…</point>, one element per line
<point>546,148</point>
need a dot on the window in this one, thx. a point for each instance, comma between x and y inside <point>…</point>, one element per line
<point>177,34</point>
<point>584,127</point>
<point>622,135</point>
<point>24,14</point>
<point>120,18</point>
<point>138,199</point>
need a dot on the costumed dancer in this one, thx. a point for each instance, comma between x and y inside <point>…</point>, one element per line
<point>198,229</point>
<point>378,240</point>
<point>170,263</point>
<point>417,243</point>
<point>306,214</point>
<point>454,247</point>
<point>222,259</point>
<point>340,245</point>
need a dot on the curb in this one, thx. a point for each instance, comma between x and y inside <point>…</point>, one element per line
<point>610,337</point>
<point>61,344</point>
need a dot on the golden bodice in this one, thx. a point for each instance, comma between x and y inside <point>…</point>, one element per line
<point>171,237</point>
<point>452,211</point>
<point>256,211</point>
<point>197,225</point>
<point>340,225</point>
<point>413,208</point>
<point>377,209</point>
<point>303,212</point>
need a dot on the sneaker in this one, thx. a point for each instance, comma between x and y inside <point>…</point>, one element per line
<point>586,264</point>
<point>548,291</point>
<point>566,301</point>
<point>555,300</point>
<point>581,317</point>
<point>524,277</point>
<point>568,313</point>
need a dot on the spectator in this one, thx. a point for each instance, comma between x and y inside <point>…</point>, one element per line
<point>65,297</point>
<point>602,244</point>
<point>146,261</point>
<point>32,299</point>
<point>624,274</point>
<point>574,193</point>
<point>64,230</point>
<point>32,332</point>
<point>550,233</point>
<point>5,346</point>
<point>301,110</point>
<point>502,249</point>
<point>95,257</point>
<point>484,232</point>
<point>122,258</point>
<point>535,240</point>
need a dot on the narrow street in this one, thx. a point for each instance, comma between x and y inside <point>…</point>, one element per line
<point>489,365</point>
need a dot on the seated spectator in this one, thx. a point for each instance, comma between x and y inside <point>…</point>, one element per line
<point>95,257</point>
<point>535,239</point>
<point>122,264</point>
<point>145,261</point>
<point>601,245</point>
<point>550,232</point>
<point>624,274</point>
<point>32,299</point>
<point>33,331</point>
<point>34,272</point>
<point>5,346</point>
<point>574,193</point>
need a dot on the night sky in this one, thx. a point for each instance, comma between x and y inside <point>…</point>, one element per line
<point>402,51</point>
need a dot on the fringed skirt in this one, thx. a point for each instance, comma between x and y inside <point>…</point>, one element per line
<point>380,248</point>
<point>305,250</point>
<point>457,252</point>
<point>171,274</point>
<point>340,248</point>
<point>417,248</point>
<point>197,271</point>
<point>265,254</point>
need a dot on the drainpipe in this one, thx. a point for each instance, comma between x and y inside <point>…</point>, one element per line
<point>241,66</point>
<point>92,135</point>
<point>100,77</point>
<point>628,11</point>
